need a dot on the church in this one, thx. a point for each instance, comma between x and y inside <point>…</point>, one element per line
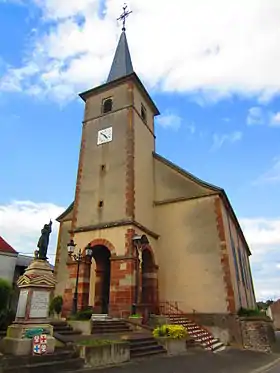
<point>160,236</point>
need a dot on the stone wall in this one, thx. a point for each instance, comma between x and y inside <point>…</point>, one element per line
<point>7,266</point>
<point>257,333</point>
<point>274,310</point>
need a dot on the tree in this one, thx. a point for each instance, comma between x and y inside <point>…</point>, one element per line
<point>5,294</point>
<point>6,315</point>
<point>264,305</point>
<point>56,305</point>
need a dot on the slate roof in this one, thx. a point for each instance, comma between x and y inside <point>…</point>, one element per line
<point>5,247</point>
<point>122,64</point>
<point>69,208</point>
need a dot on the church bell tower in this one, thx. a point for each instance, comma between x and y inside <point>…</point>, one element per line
<point>115,186</point>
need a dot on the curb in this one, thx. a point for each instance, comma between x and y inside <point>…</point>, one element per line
<point>265,368</point>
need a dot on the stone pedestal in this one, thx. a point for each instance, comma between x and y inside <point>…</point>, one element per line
<point>36,287</point>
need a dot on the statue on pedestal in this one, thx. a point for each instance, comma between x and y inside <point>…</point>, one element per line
<point>36,287</point>
<point>43,242</point>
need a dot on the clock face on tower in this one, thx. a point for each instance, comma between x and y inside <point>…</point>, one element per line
<point>105,135</point>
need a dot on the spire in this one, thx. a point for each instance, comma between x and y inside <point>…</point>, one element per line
<point>122,65</point>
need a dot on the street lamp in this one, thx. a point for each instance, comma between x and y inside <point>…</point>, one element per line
<point>79,258</point>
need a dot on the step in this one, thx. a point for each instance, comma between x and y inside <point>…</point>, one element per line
<point>142,354</point>
<point>68,332</point>
<point>100,317</point>
<point>58,323</point>
<point>109,322</point>
<point>98,332</point>
<point>134,346</point>
<point>123,325</point>
<point>155,347</point>
<point>66,328</point>
<point>109,325</point>
<point>152,342</point>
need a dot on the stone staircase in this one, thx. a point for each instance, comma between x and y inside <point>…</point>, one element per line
<point>61,361</point>
<point>201,336</point>
<point>109,326</point>
<point>63,332</point>
<point>143,346</point>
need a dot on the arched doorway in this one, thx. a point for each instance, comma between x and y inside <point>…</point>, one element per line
<point>101,256</point>
<point>149,279</point>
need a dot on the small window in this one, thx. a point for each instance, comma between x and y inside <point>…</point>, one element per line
<point>100,204</point>
<point>102,167</point>
<point>107,105</point>
<point>143,113</point>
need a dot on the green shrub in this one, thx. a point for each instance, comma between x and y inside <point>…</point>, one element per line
<point>5,294</point>
<point>170,331</point>
<point>136,316</point>
<point>248,312</point>
<point>56,305</point>
<point>84,314</point>
<point>7,316</point>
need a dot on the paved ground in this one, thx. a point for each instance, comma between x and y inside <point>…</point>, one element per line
<point>275,369</point>
<point>230,361</point>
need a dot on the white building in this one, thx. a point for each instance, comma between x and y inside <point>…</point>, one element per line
<point>8,261</point>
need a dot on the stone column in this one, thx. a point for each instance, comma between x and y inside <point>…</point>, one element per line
<point>122,287</point>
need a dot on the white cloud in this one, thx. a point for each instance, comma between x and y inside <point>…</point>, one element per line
<point>272,176</point>
<point>259,116</point>
<point>21,223</point>
<point>263,236</point>
<point>56,9</point>
<point>220,139</point>
<point>255,116</point>
<point>169,120</point>
<point>214,49</point>
<point>275,119</point>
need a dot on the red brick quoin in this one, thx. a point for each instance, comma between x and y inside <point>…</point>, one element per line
<point>224,257</point>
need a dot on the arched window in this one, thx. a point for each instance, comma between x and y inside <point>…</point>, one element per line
<point>107,105</point>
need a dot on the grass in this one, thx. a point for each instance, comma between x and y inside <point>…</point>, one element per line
<point>247,312</point>
<point>98,342</point>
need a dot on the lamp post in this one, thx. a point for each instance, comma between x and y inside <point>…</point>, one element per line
<point>79,258</point>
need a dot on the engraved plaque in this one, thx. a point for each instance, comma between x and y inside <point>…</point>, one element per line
<point>22,301</point>
<point>39,304</point>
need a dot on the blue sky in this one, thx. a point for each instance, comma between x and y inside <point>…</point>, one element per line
<point>217,86</point>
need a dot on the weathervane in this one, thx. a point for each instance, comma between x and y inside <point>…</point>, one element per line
<point>123,16</point>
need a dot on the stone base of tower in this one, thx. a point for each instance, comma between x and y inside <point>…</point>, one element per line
<point>122,287</point>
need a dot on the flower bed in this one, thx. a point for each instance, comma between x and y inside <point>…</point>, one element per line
<point>100,353</point>
<point>172,337</point>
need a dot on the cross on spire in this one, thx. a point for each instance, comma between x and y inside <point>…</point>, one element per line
<point>123,16</point>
